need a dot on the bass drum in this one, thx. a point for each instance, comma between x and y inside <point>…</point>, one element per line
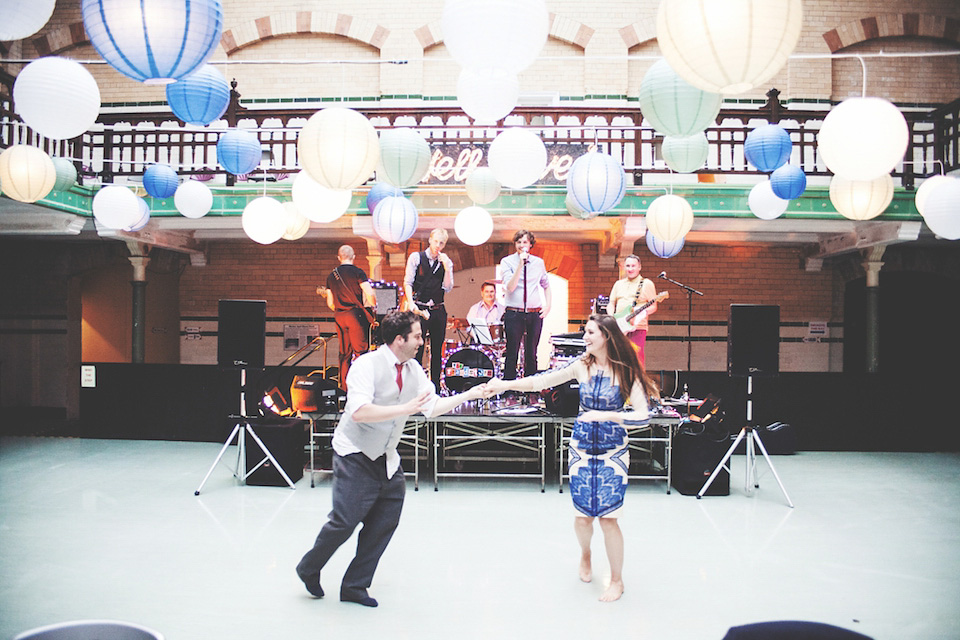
<point>469,366</point>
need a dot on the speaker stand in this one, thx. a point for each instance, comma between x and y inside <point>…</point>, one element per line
<point>240,430</point>
<point>748,433</point>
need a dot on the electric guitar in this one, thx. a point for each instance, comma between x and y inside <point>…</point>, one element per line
<point>624,322</point>
<point>368,312</point>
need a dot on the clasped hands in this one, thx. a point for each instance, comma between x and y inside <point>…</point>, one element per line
<point>490,388</point>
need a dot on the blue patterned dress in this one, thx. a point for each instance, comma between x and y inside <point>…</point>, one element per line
<point>599,454</point>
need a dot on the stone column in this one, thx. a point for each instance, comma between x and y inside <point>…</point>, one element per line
<point>872,265</point>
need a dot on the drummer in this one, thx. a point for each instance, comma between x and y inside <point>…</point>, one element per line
<point>488,310</point>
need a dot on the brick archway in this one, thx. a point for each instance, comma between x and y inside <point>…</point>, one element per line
<point>891,25</point>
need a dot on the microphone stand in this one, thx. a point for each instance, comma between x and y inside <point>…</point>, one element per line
<point>690,293</point>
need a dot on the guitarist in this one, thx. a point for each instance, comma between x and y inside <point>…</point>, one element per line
<point>628,292</point>
<point>348,294</point>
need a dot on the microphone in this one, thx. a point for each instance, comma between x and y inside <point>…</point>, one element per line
<point>663,274</point>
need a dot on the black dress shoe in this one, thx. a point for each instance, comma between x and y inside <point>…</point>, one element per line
<point>363,599</point>
<point>312,583</point>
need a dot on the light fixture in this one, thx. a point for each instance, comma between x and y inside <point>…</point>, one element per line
<point>404,157</point>
<point>201,97</point>
<point>663,249</point>
<point>767,147</point>
<point>669,217</point>
<point>487,95</point>
<point>788,182</point>
<point>339,148</point>
<point>687,153</point>
<point>264,220</point>
<point>395,219</point>
<point>764,203</point>
<point>297,224</point>
<point>943,209</point>
<point>473,226</point>
<point>925,188</point>
<point>238,151</point>
<point>378,192</point>
<point>66,174</point>
<point>42,87</point>
<point>672,105</point>
<point>116,207</point>
<point>862,138</point>
<point>160,181</point>
<point>861,199</point>
<point>574,210</point>
<point>596,182</point>
<point>506,34</point>
<point>482,186</point>
<point>517,158</point>
<point>317,202</point>
<point>20,20</point>
<point>144,209</point>
<point>193,199</point>
<point>27,174</point>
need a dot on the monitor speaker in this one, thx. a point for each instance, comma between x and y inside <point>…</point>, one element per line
<point>241,332</point>
<point>753,340</point>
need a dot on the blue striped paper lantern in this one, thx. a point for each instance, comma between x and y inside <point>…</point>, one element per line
<point>201,97</point>
<point>154,41</point>
<point>144,216</point>
<point>160,181</point>
<point>662,248</point>
<point>788,182</point>
<point>395,219</point>
<point>378,192</point>
<point>596,182</point>
<point>238,151</point>
<point>767,147</point>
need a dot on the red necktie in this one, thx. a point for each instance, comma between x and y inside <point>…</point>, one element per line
<point>400,377</point>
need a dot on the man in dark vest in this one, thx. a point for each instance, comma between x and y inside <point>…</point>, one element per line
<point>428,276</point>
<point>347,292</point>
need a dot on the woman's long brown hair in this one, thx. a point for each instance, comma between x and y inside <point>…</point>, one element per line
<point>624,363</point>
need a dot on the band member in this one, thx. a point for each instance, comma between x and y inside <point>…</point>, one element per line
<point>628,292</point>
<point>527,302</point>
<point>347,292</point>
<point>368,484</point>
<point>428,276</point>
<point>488,309</point>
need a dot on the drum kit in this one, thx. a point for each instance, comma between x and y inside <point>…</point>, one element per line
<point>474,357</point>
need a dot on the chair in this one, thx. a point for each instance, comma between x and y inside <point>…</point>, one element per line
<point>91,630</point>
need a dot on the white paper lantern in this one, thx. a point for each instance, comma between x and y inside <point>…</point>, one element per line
<point>404,157</point>
<point>728,46</point>
<point>395,219</point>
<point>193,199</point>
<point>264,220</point>
<point>672,105</point>
<point>504,34</point>
<point>42,88</point>
<point>20,19</point>
<point>861,199</point>
<point>596,182</point>
<point>339,148</point>
<point>482,186</point>
<point>669,217</point>
<point>297,223</point>
<point>764,203</point>
<point>116,207</point>
<point>144,216</point>
<point>925,188</point>
<point>473,226</point>
<point>943,210</point>
<point>317,202</point>
<point>517,158</point>
<point>487,95</point>
<point>685,154</point>
<point>862,138</point>
<point>27,174</point>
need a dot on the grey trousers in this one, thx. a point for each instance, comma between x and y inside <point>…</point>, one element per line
<point>362,493</point>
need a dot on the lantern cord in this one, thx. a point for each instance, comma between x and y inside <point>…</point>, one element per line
<point>863,66</point>
<point>230,62</point>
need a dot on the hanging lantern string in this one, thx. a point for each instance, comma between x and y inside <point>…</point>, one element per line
<point>229,62</point>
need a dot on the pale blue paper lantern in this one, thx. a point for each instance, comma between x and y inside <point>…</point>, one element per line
<point>788,182</point>
<point>395,219</point>
<point>767,147</point>
<point>672,105</point>
<point>201,97</point>
<point>378,192</point>
<point>662,248</point>
<point>404,157</point>
<point>596,182</point>
<point>686,154</point>
<point>160,181</point>
<point>66,174</point>
<point>238,151</point>
<point>154,41</point>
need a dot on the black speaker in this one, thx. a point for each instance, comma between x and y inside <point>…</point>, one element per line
<point>697,450</point>
<point>564,399</point>
<point>286,439</point>
<point>241,332</point>
<point>753,340</point>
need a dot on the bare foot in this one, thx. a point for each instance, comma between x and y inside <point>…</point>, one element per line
<point>586,569</point>
<point>613,592</point>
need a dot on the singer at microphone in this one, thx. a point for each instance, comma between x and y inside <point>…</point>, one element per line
<point>629,293</point>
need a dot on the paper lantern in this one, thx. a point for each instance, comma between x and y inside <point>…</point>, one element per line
<point>487,95</point>
<point>193,199</point>
<point>154,41</point>
<point>942,209</point>
<point>788,182</point>
<point>42,89</point>
<point>574,210</point>
<point>116,207</point>
<point>144,210</point>
<point>517,158</point>
<point>27,174</point>
<point>201,97</point>
<point>767,147</point>
<point>482,186</point>
<point>317,202</point>
<point>395,219</point>
<point>160,181</point>
<point>764,203</point>
<point>339,148</point>
<point>297,223</point>
<point>239,151</point>
<point>66,174</point>
<point>473,226</point>
<point>861,199</point>
<point>728,46</point>
<point>404,157</point>
<point>862,138</point>
<point>596,182</point>
<point>685,154</point>
<point>672,105</point>
<point>663,249</point>
<point>504,34</point>
<point>378,192</point>
<point>264,220</point>
<point>669,217</point>
<point>20,20</point>
<point>923,191</point>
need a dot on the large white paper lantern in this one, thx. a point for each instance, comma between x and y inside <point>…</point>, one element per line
<point>596,182</point>
<point>404,157</point>
<point>925,188</point>
<point>504,34</point>
<point>728,46</point>
<point>669,217</point>
<point>193,199</point>
<point>473,226</point>
<point>116,207</point>
<point>685,154</point>
<point>861,199</point>
<point>317,202</point>
<point>517,158</point>
<point>672,105</point>
<point>942,210</point>
<point>862,138</point>
<point>42,89</point>
<point>487,95</point>
<point>297,223</point>
<point>264,220</point>
<point>395,219</point>
<point>482,186</point>
<point>339,148</point>
<point>20,19</point>
<point>27,174</point>
<point>764,203</point>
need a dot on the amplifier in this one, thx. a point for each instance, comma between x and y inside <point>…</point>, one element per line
<point>314,394</point>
